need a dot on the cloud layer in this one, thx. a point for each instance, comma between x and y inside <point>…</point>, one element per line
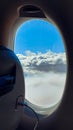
<point>43,62</point>
<point>45,90</point>
<point>45,76</point>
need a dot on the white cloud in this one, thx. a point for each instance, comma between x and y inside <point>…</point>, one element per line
<point>43,62</point>
<point>45,76</point>
<point>45,90</point>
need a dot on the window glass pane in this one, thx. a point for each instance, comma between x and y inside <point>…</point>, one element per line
<point>40,48</point>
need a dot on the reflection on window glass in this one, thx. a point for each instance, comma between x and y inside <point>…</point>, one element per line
<point>40,48</point>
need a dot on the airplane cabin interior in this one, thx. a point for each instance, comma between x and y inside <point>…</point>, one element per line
<point>14,113</point>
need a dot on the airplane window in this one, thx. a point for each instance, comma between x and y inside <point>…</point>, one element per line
<point>41,51</point>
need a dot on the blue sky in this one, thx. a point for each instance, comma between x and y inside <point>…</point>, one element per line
<point>38,36</point>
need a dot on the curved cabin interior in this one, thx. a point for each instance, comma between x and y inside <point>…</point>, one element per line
<point>17,112</point>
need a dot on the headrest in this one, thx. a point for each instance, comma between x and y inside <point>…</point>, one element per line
<point>11,87</point>
<point>7,70</point>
